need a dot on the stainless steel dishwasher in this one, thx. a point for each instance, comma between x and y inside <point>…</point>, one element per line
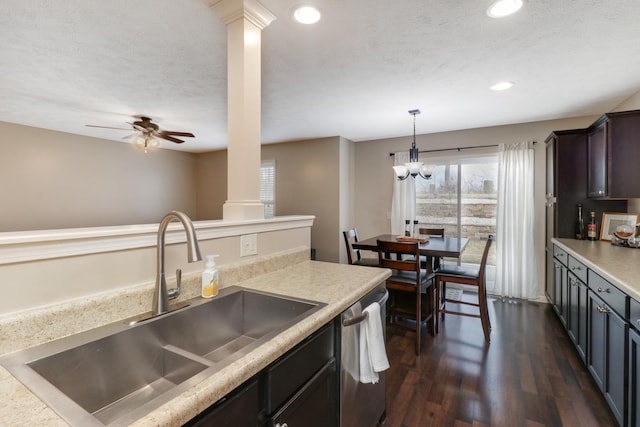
<point>361,405</point>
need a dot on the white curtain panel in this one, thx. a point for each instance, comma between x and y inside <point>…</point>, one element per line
<point>403,205</point>
<point>516,259</point>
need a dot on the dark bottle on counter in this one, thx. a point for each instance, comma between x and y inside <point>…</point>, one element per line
<point>592,228</point>
<point>407,227</point>
<point>580,232</point>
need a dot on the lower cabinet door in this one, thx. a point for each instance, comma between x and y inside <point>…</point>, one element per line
<point>314,405</point>
<point>240,409</point>
<point>633,419</point>
<point>577,321</point>
<point>596,349</point>
<point>615,378</point>
<point>607,362</point>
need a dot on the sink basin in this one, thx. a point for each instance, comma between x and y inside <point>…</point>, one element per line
<point>115,374</point>
<point>230,326</point>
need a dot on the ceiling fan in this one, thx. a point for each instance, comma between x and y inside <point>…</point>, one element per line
<point>146,133</point>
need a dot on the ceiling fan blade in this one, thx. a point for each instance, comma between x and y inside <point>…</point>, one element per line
<point>170,132</point>
<point>106,127</point>
<point>169,138</point>
<point>137,127</point>
<point>129,136</point>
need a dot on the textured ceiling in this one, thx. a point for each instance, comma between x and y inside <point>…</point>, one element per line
<point>67,63</point>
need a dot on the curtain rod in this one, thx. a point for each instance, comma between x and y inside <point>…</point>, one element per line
<point>455,149</point>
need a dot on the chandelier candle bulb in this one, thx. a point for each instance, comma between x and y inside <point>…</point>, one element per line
<point>414,167</point>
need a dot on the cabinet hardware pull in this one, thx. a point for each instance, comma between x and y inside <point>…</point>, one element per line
<point>576,267</point>
<point>602,309</point>
<point>607,290</point>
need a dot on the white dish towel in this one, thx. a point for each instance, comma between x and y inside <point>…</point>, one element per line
<point>373,354</point>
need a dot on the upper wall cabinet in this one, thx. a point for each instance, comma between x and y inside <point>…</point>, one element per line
<point>614,156</point>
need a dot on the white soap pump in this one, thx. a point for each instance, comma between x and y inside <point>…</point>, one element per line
<point>210,278</point>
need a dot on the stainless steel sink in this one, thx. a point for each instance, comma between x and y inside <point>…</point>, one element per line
<point>115,374</point>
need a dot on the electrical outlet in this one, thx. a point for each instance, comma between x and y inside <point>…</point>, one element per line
<point>248,244</point>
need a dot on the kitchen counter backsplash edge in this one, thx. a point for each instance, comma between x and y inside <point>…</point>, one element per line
<point>617,264</point>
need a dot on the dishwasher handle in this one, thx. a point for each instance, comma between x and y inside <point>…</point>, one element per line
<point>358,319</point>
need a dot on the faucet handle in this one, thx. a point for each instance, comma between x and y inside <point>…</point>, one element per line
<point>175,292</point>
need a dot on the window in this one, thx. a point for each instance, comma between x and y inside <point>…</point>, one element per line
<point>461,196</point>
<point>268,187</point>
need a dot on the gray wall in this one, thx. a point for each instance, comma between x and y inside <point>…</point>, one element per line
<point>58,180</point>
<point>308,183</point>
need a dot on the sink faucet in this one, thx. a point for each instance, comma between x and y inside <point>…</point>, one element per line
<point>161,296</point>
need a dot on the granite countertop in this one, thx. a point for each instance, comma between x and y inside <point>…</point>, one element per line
<point>617,264</point>
<point>337,285</point>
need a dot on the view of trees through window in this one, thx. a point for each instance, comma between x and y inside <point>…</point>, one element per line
<point>461,197</point>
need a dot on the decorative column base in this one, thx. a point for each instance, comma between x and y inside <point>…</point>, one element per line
<point>242,210</point>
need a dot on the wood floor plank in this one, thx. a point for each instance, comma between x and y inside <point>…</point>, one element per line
<point>530,375</point>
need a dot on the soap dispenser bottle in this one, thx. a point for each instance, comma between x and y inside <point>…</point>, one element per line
<point>210,278</point>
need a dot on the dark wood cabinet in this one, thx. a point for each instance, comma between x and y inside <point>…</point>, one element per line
<point>578,314</point>
<point>242,407</point>
<point>607,343</point>
<point>597,155</point>
<point>613,153</point>
<point>559,290</point>
<point>566,179</point>
<point>300,388</point>
<point>633,418</point>
<point>633,390</point>
<point>560,300</point>
<point>566,187</point>
<point>314,405</point>
<point>603,322</point>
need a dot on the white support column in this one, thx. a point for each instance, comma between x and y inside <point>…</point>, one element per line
<point>245,20</point>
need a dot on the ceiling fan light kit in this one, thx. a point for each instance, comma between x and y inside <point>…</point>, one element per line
<point>145,142</point>
<point>147,133</point>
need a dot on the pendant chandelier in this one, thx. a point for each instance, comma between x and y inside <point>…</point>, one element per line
<point>414,167</point>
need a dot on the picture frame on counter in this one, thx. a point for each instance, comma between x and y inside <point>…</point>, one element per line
<point>612,220</point>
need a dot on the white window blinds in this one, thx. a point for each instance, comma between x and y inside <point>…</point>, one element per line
<point>268,187</point>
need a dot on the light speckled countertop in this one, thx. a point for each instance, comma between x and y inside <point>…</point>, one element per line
<point>337,285</point>
<point>619,265</point>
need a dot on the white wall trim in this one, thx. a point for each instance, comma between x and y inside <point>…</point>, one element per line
<point>25,246</point>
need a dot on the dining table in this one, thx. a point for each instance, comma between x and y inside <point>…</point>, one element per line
<point>433,247</point>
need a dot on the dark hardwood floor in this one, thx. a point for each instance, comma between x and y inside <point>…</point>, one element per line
<point>530,374</point>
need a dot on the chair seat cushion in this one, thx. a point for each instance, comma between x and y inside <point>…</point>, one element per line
<point>466,273</point>
<point>409,277</point>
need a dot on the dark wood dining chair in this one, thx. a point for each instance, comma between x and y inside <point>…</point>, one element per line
<point>435,232</point>
<point>354,257</point>
<point>472,277</point>
<point>410,287</point>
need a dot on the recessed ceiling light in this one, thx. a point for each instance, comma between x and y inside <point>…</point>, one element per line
<point>502,86</point>
<point>306,14</point>
<point>502,8</point>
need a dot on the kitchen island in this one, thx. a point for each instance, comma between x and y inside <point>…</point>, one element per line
<point>289,274</point>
